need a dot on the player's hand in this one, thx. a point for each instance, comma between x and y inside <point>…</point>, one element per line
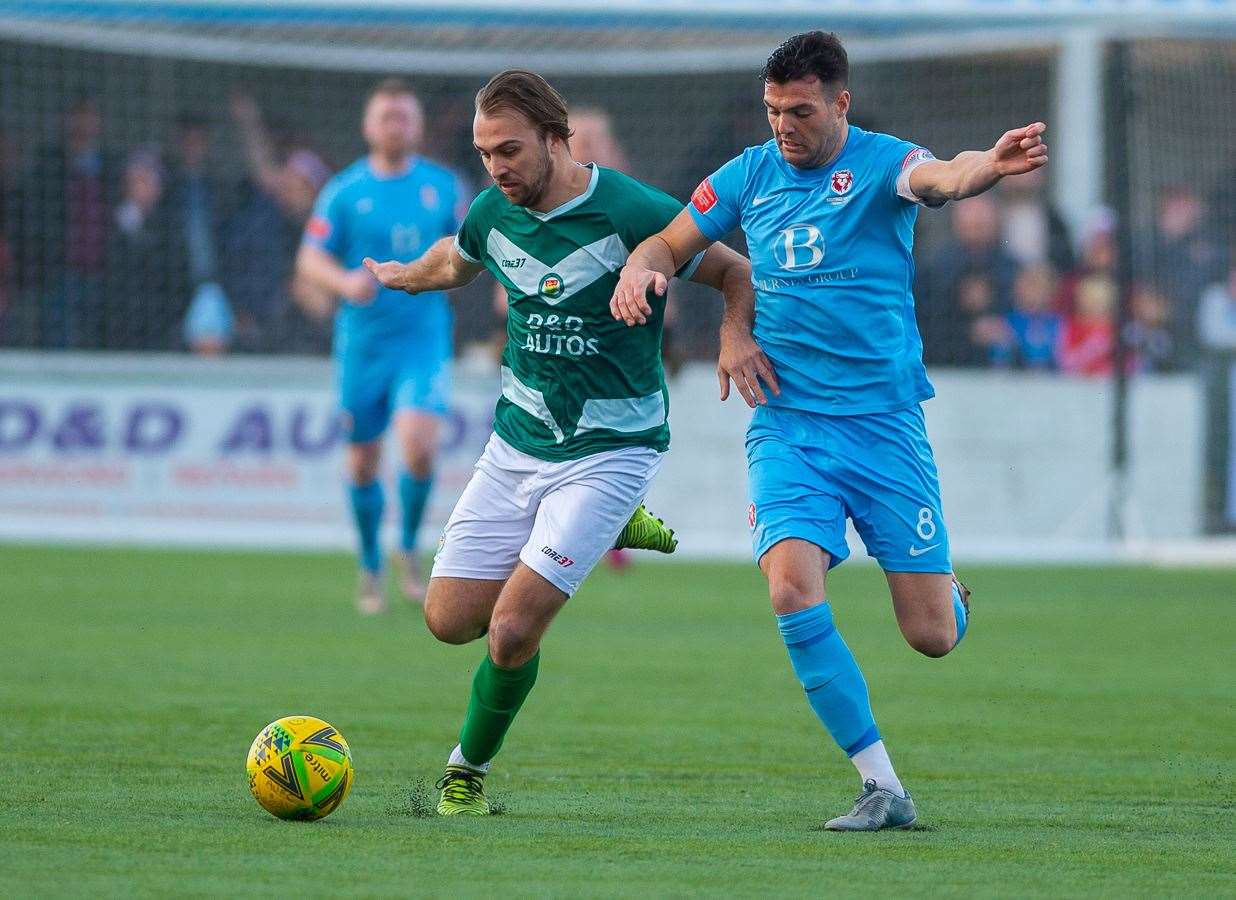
<point>630,300</point>
<point>388,274</point>
<point>359,286</point>
<point>1020,151</point>
<point>742,360</point>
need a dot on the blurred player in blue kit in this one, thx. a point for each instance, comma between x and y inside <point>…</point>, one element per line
<point>828,211</point>
<point>392,357</point>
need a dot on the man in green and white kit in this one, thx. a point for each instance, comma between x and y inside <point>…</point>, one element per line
<point>582,421</point>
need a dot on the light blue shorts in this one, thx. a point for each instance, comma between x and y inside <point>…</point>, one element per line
<point>374,388</point>
<point>809,472</point>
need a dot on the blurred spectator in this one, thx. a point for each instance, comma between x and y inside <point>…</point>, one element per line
<point>1034,232</point>
<point>61,214</point>
<point>209,324</point>
<point>1148,334</point>
<point>1086,341</point>
<point>1097,262</point>
<point>1216,318</point>
<point>195,199</point>
<point>592,139</point>
<point>146,267</point>
<point>1187,258</point>
<point>261,238</point>
<point>8,166</point>
<point>966,288</point>
<point>1033,326</point>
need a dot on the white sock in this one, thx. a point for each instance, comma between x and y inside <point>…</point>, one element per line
<point>873,764</point>
<point>457,759</point>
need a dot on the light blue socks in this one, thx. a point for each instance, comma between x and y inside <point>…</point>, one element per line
<point>367,503</point>
<point>830,677</point>
<point>959,613</point>
<point>413,495</point>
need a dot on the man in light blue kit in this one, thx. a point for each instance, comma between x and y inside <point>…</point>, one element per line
<point>392,357</point>
<point>828,210</point>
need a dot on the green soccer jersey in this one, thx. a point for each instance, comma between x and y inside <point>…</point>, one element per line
<point>575,381</point>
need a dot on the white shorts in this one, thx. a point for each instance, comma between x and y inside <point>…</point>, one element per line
<point>558,518</point>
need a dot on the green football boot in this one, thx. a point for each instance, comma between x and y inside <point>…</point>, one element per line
<point>644,531</point>
<point>463,793</point>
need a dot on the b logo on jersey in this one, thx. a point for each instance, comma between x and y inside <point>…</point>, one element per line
<point>551,286</point>
<point>704,198</point>
<point>801,246</point>
<point>842,181</point>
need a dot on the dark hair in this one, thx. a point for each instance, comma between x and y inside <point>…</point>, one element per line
<point>390,87</point>
<point>813,53</point>
<point>530,95</point>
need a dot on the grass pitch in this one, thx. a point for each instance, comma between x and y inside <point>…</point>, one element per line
<point>1081,741</point>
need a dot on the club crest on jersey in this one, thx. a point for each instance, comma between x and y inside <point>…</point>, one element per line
<point>842,181</point>
<point>551,287</point>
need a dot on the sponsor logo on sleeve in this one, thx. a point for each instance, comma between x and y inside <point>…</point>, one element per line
<point>916,156</point>
<point>704,198</point>
<point>318,228</point>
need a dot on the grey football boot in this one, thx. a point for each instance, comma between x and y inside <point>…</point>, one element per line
<point>371,594</point>
<point>876,808</point>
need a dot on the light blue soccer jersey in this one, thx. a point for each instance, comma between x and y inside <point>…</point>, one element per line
<point>832,267</point>
<point>359,214</point>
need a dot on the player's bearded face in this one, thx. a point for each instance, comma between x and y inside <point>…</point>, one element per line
<point>808,120</point>
<point>516,156</point>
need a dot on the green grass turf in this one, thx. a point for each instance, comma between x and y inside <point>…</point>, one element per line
<point>1082,741</point>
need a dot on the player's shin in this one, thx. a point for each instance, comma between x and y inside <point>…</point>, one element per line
<point>497,695</point>
<point>367,503</point>
<point>833,683</point>
<point>413,496</point>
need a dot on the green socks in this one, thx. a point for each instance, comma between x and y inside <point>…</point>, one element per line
<point>497,695</point>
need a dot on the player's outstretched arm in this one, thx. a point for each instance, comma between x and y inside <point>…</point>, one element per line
<point>652,264</point>
<point>320,269</point>
<point>440,268</point>
<point>974,171</point>
<point>741,358</point>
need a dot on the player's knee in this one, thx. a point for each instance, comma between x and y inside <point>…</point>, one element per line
<point>363,460</point>
<point>445,625</point>
<point>420,465</point>
<point>934,642</point>
<point>512,641</point>
<point>447,630</point>
<point>790,594</point>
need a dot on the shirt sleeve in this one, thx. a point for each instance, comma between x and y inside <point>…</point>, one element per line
<point>656,210</point>
<point>468,240</point>
<point>716,202</point>
<point>327,226</point>
<point>910,157</point>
